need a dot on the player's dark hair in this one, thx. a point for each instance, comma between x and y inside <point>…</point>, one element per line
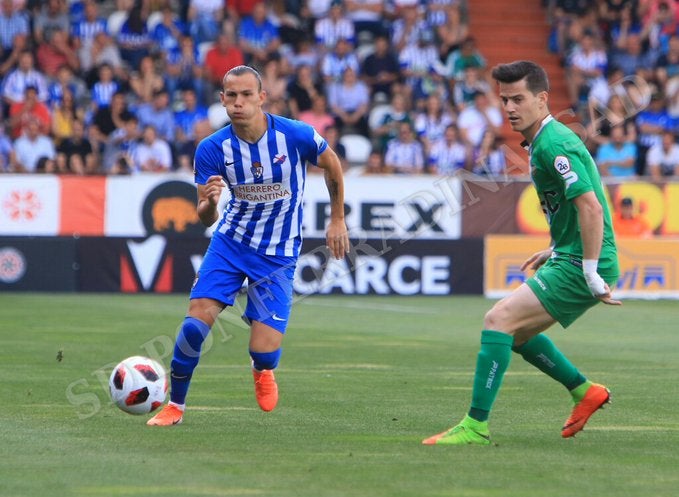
<point>240,70</point>
<point>536,77</point>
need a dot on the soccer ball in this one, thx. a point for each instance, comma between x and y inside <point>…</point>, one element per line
<point>138,385</point>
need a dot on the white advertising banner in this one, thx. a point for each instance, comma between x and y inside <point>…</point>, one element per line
<point>391,207</point>
<point>29,205</point>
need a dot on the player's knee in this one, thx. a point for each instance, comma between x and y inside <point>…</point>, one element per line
<point>265,360</point>
<point>498,318</point>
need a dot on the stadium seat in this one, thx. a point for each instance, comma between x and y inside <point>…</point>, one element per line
<point>115,22</point>
<point>358,148</point>
<point>217,116</point>
<point>154,19</point>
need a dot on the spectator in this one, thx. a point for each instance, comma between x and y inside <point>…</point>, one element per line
<point>23,76</point>
<point>368,16</point>
<point>205,18</point>
<point>404,154</point>
<point>29,110</point>
<point>416,60</point>
<point>167,33</point>
<point>374,164</point>
<point>380,69</point>
<point>64,115</point>
<point>668,63</point>
<point>651,122</point>
<point>318,116</point>
<point>660,25</point>
<point>663,157</point>
<point>66,81</point>
<point>11,57</point>
<point>471,84</point>
<point>146,81</point>
<point>565,13</point>
<point>465,56</point>
<point>31,147</point>
<point>302,90</point>
<point>449,154</point>
<point>628,23</point>
<point>85,30</point>
<point>452,32</point>
<point>158,114</point>
<point>7,162</point>
<point>107,119</point>
<point>55,51</point>
<point>431,124</point>
<point>604,119</point>
<point>183,70</point>
<point>75,154</point>
<point>618,157</point>
<point>304,53</point>
<point>334,63</point>
<point>350,102</point>
<point>134,40</point>
<point>102,50</point>
<point>388,128</point>
<point>475,119</point>
<point>187,149</point>
<point>629,224</point>
<point>334,26</point>
<point>407,27</point>
<point>585,65</point>
<point>632,58</point>
<point>13,23</point>
<point>331,135</point>
<point>490,157</point>
<point>238,9</point>
<point>222,57</point>
<point>258,37</point>
<point>120,147</point>
<point>152,153</point>
<point>104,89</point>
<point>274,78</point>
<point>52,16</point>
<point>185,119</point>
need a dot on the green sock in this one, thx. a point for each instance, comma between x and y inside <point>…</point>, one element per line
<point>541,352</point>
<point>491,364</point>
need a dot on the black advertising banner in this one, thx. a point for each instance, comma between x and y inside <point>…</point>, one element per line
<point>154,264</point>
<point>38,264</point>
<point>393,267</point>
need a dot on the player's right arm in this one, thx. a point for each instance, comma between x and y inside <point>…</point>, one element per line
<point>208,199</point>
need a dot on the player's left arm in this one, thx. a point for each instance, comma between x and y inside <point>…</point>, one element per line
<point>337,237</point>
<point>591,220</point>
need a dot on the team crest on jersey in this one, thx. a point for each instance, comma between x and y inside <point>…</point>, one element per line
<point>279,159</point>
<point>257,169</point>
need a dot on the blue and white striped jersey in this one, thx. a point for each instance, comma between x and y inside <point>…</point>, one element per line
<point>266,181</point>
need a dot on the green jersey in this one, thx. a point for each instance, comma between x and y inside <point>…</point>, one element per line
<point>562,169</point>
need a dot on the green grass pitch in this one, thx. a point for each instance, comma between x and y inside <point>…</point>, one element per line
<point>363,380</point>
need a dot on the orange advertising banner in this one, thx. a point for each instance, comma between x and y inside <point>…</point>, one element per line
<point>649,269</point>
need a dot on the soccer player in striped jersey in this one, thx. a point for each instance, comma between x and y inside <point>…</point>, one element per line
<point>571,276</point>
<point>262,159</point>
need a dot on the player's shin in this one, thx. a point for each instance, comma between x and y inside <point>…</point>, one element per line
<point>491,364</point>
<point>541,352</point>
<point>186,356</point>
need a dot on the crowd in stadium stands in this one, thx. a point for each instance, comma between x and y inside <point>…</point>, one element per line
<point>96,87</point>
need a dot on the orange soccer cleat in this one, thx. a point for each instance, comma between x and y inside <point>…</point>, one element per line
<point>266,389</point>
<point>170,415</point>
<point>594,399</point>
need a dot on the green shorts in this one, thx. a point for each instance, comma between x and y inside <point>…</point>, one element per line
<point>561,288</point>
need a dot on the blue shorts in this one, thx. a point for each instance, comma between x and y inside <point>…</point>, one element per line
<point>226,265</point>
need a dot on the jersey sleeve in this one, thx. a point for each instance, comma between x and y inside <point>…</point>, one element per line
<point>207,161</point>
<point>569,166</point>
<point>312,144</point>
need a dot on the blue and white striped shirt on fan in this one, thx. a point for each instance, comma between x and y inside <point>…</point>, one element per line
<point>266,182</point>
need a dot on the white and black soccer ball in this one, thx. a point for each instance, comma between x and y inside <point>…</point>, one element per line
<point>138,385</point>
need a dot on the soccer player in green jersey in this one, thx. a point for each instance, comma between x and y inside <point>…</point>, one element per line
<point>571,276</point>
